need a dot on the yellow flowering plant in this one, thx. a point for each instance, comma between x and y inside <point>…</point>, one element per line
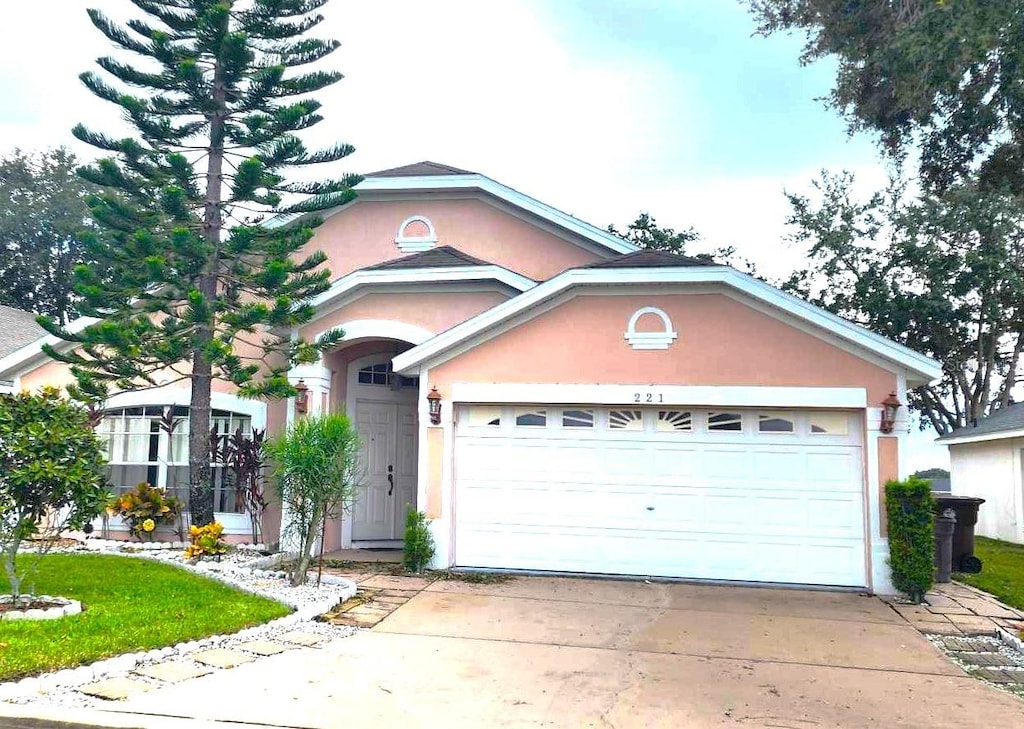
<point>143,509</point>
<point>206,541</point>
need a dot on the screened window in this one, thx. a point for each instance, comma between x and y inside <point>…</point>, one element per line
<point>150,444</point>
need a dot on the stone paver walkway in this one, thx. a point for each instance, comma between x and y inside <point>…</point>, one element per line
<point>986,658</point>
<point>379,595</point>
<point>196,664</point>
<point>954,609</point>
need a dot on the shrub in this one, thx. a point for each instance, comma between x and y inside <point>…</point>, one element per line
<point>909,505</point>
<point>315,474</point>
<point>206,541</point>
<point>144,508</point>
<point>419,544</point>
<point>51,473</point>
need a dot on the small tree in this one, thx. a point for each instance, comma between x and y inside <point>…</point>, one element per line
<point>51,474</point>
<point>247,463</point>
<point>315,473</point>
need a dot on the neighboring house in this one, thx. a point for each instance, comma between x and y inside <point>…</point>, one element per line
<point>17,329</point>
<point>987,460</point>
<point>603,410</point>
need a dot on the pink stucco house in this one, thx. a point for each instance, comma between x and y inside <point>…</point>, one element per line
<point>603,410</point>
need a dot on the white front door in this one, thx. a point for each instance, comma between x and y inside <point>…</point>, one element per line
<point>388,475</point>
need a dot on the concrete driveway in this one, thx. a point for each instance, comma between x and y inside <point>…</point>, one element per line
<point>602,653</point>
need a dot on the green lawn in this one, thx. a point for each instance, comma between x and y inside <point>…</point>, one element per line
<point>129,605</point>
<point>1002,572</point>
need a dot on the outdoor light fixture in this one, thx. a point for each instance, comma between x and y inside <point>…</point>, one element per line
<point>434,401</point>
<point>301,397</point>
<point>890,406</point>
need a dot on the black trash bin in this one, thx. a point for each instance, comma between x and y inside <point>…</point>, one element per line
<point>966,510</point>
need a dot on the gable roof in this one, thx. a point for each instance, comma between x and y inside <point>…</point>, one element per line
<point>19,328</point>
<point>440,257</point>
<point>418,169</point>
<point>652,259</point>
<point>1007,422</point>
<point>448,344</point>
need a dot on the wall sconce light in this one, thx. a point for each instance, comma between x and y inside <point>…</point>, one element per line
<point>890,406</point>
<point>301,397</point>
<point>434,402</point>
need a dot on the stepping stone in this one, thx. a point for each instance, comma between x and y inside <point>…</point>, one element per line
<point>262,647</point>
<point>973,625</point>
<point>984,659</point>
<point>300,638</point>
<point>173,671</point>
<point>357,620</point>
<point>937,628</point>
<point>221,658</point>
<point>115,689</point>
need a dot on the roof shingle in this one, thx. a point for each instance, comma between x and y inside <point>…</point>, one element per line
<point>440,257</point>
<point>652,259</point>
<point>1003,420</point>
<point>19,328</point>
<point>420,169</point>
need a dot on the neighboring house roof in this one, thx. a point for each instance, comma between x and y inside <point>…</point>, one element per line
<point>440,257</point>
<point>418,169</point>
<point>1007,422</point>
<point>920,369</point>
<point>652,259</point>
<point>19,328</point>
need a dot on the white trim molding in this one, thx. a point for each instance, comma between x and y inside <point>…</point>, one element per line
<point>640,394</point>
<point>951,439</point>
<point>920,369</point>
<point>416,243</point>
<point>382,329</point>
<point>176,395</point>
<point>650,340</point>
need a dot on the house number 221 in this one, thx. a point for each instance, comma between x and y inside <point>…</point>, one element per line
<point>650,397</point>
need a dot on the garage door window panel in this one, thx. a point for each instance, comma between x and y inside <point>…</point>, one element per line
<point>577,418</point>
<point>632,420</point>
<point>725,422</point>
<point>675,421</point>
<point>531,418</point>
<point>776,423</point>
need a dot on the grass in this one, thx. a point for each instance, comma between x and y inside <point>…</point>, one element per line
<point>129,605</point>
<point>1002,572</point>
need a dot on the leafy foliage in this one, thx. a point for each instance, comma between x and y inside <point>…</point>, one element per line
<point>943,275</point>
<point>909,507</point>
<point>43,214</point>
<point>645,232</point>
<point>144,508</point>
<point>206,541</point>
<point>316,474</point>
<point>944,72</point>
<point>419,543</point>
<point>245,458</point>
<point>51,473</point>
<point>202,289</point>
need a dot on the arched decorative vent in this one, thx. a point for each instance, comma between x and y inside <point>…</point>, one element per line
<point>650,340</point>
<point>415,234</point>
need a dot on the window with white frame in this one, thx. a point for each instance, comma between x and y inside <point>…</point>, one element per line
<point>150,444</point>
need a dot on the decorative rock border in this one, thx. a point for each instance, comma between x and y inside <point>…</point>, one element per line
<point>242,569</point>
<point>64,608</point>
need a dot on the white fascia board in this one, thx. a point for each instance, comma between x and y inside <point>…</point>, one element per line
<point>925,368</point>
<point>947,440</point>
<point>742,396</point>
<point>356,279</point>
<point>502,192</point>
<point>17,361</point>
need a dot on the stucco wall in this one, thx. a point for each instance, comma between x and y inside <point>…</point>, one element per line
<point>991,470</point>
<point>364,234</point>
<point>433,311</point>
<point>721,342</point>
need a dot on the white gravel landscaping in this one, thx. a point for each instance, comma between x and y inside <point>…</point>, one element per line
<point>245,568</point>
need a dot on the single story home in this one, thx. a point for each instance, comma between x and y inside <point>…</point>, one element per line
<point>987,461</point>
<point>600,409</point>
<point>19,329</point>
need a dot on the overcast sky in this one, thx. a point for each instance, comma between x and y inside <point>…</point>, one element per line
<point>602,108</point>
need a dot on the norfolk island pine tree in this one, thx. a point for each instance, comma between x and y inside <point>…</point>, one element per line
<point>204,289</point>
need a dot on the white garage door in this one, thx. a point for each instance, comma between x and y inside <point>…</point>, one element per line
<point>763,496</point>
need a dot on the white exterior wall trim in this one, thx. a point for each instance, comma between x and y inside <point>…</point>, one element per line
<point>434,352</point>
<point>1000,435</point>
<point>16,362</point>
<point>777,397</point>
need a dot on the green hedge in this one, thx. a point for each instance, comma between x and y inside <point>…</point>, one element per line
<point>909,505</point>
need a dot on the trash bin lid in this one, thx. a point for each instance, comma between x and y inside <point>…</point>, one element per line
<point>954,499</point>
